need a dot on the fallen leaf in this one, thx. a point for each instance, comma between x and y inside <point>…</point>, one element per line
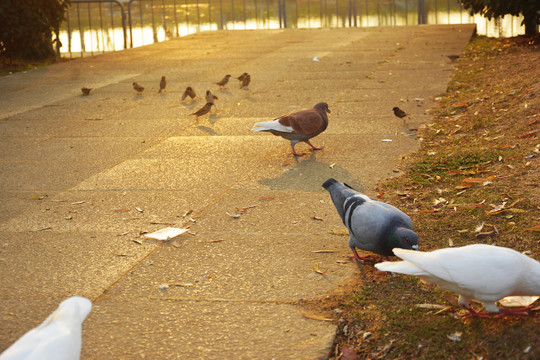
<point>430,306</point>
<point>267,198</point>
<point>534,228</point>
<point>456,337</point>
<point>315,317</point>
<point>527,134</point>
<point>77,203</point>
<point>187,213</point>
<point>214,241</point>
<point>324,251</point>
<point>37,197</point>
<point>316,218</point>
<point>318,270</point>
<point>182,285</point>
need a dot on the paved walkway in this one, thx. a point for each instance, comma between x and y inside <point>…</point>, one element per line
<point>113,165</point>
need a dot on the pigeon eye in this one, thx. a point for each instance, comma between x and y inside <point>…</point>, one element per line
<point>407,240</point>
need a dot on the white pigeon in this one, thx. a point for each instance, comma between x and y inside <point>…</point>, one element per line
<point>486,273</point>
<point>59,337</point>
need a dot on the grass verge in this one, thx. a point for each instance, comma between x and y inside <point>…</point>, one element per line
<point>474,180</point>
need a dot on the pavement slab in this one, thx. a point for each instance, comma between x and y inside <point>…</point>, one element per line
<point>84,178</point>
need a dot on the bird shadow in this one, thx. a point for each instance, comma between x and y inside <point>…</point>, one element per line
<point>308,174</point>
<point>213,118</point>
<point>207,129</point>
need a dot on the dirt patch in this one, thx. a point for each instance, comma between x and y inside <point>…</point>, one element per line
<point>474,180</point>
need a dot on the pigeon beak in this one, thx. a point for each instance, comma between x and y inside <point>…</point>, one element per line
<point>328,111</point>
<point>415,247</point>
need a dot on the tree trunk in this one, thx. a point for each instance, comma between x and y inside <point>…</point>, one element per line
<point>531,26</point>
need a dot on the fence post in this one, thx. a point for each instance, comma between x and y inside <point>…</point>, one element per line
<point>421,12</point>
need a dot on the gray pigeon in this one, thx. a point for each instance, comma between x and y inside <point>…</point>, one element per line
<point>299,125</point>
<point>373,225</point>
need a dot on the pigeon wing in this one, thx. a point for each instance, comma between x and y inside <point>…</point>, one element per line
<point>303,122</point>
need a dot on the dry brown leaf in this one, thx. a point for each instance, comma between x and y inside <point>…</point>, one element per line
<point>315,317</point>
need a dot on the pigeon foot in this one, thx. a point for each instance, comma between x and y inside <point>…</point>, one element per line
<point>476,314</point>
<point>313,146</point>
<point>517,312</point>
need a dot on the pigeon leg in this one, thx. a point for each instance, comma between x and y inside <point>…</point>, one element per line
<point>473,313</point>
<point>312,146</point>
<point>295,153</point>
<point>359,258</point>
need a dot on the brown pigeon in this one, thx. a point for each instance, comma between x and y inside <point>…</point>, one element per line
<point>400,113</point>
<point>202,111</point>
<point>210,98</point>
<point>162,84</point>
<point>245,81</point>
<point>299,125</point>
<point>138,88</point>
<point>189,92</point>
<point>223,82</point>
<point>85,90</point>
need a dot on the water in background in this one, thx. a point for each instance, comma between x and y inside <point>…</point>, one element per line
<point>95,27</point>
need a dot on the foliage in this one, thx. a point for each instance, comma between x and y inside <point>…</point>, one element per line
<point>496,8</point>
<point>26,27</point>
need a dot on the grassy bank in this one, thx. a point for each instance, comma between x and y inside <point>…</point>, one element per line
<point>474,180</point>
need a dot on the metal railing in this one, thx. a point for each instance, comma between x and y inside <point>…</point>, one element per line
<point>107,25</point>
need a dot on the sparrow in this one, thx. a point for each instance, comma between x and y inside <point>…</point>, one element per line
<point>245,81</point>
<point>86,91</point>
<point>210,98</point>
<point>241,77</point>
<point>400,113</point>
<point>223,82</point>
<point>162,84</point>
<point>138,88</point>
<point>202,111</point>
<point>453,58</point>
<point>189,92</point>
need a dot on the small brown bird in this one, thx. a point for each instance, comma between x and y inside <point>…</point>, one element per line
<point>453,58</point>
<point>162,84</point>
<point>210,98</point>
<point>400,113</point>
<point>138,88</point>
<point>202,111</point>
<point>299,125</point>
<point>241,77</point>
<point>223,82</point>
<point>86,91</point>
<point>189,92</point>
<point>245,82</point>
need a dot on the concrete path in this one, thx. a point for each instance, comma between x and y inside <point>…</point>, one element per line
<point>83,178</point>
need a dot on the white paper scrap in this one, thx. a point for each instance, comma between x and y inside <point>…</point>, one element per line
<point>166,233</point>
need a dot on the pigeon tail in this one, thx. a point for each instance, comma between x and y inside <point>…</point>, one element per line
<point>271,126</point>
<point>402,267</point>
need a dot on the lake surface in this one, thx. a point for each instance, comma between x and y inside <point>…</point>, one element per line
<point>98,27</point>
